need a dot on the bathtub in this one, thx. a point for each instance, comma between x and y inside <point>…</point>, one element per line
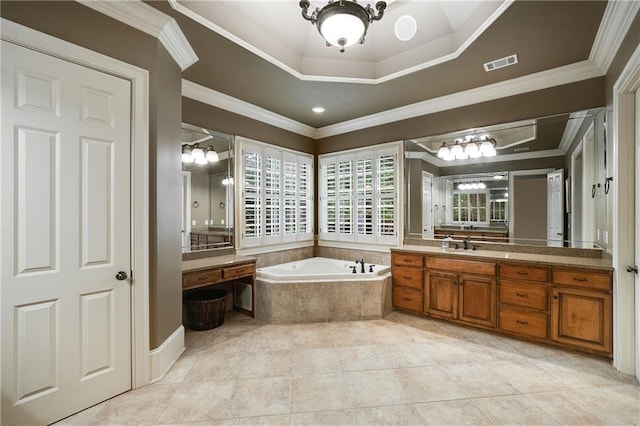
<point>321,289</point>
<point>320,268</point>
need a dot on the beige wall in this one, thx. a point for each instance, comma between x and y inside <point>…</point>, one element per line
<point>75,23</point>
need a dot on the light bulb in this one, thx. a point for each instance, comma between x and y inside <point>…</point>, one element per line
<point>212,156</point>
<point>342,29</point>
<point>443,152</point>
<point>198,154</point>
<point>187,157</point>
<point>471,149</point>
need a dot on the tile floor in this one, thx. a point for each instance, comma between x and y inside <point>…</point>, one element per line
<point>402,370</point>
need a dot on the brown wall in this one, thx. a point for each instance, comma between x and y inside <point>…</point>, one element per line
<point>80,25</point>
<point>530,207</point>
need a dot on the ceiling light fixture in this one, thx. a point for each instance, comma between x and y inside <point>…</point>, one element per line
<point>318,109</point>
<point>343,23</point>
<point>469,147</point>
<point>195,154</point>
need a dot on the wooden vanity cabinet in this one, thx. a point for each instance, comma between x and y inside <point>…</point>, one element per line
<point>523,300</point>
<point>581,309</point>
<point>407,275</point>
<point>466,297</point>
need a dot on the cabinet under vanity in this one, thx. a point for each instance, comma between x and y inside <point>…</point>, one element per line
<point>556,300</point>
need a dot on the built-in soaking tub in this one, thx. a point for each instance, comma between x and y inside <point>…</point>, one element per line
<point>322,289</point>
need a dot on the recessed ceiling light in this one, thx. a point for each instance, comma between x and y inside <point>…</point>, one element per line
<point>405,28</point>
<point>318,109</point>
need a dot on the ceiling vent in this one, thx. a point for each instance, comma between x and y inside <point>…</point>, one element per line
<point>501,63</point>
<point>521,149</point>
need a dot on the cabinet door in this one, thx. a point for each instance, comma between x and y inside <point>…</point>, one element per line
<point>441,294</point>
<point>581,318</point>
<point>477,300</point>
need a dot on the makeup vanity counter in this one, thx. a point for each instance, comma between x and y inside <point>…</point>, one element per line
<point>559,300</point>
<point>238,270</point>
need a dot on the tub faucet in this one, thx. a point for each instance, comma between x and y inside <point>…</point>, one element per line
<point>361,262</point>
<point>465,242</point>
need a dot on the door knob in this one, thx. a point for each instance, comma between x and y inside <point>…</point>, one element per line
<point>121,275</point>
<point>633,269</point>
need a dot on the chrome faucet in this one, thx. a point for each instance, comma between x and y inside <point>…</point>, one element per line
<point>361,262</point>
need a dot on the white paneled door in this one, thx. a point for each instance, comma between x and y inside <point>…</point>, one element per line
<point>66,237</point>
<point>555,208</point>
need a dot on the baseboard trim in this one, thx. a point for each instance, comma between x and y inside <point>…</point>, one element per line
<point>164,356</point>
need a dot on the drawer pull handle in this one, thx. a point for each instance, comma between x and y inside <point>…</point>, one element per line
<point>406,299</point>
<point>522,273</point>
<point>406,278</point>
<point>525,295</point>
<point>579,279</point>
<point>406,260</point>
<point>203,278</point>
<point>522,322</point>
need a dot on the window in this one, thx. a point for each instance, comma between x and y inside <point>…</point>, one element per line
<point>471,207</point>
<point>499,210</point>
<point>277,195</point>
<point>359,196</point>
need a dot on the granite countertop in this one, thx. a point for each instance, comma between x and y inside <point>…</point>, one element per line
<point>474,230</point>
<point>583,262</point>
<point>213,262</point>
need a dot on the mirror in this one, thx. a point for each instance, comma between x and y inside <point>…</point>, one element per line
<point>536,189</point>
<point>207,190</point>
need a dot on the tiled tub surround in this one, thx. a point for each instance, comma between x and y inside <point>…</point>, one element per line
<point>300,301</point>
<point>375,257</point>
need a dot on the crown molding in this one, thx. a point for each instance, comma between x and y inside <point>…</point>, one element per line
<point>542,80</point>
<point>571,131</point>
<point>145,18</point>
<point>217,99</point>
<point>616,21</point>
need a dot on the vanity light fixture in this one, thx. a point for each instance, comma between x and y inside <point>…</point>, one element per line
<point>343,23</point>
<point>195,154</point>
<point>465,186</point>
<point>469,147</point>
<point>227,181</point>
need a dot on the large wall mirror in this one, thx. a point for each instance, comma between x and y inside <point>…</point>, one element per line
<point>545,183</point>
<point>207,190</point>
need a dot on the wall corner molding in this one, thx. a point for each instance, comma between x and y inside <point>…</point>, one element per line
<point>616,21</point>
<point>164,356</point>
<point>145,18</point>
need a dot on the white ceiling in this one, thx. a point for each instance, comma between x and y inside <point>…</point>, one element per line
<point>276,31</point>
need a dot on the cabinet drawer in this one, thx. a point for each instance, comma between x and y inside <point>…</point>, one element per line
<point>466,266</point>
<point>408,299</point>
<point>582,278</point>
<point>534,296</point>
<point>524,272</point>
<point>407,259</point>
<point>202,278</point>
<point>407,277</point>
<point>523,322</point>
<point>238,271</point>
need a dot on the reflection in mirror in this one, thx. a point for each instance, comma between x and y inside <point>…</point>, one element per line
<point>207,191</point>
<point>519,193</point>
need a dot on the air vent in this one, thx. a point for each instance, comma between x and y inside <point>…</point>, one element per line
<point>521,149</point>
<point>501,63</point>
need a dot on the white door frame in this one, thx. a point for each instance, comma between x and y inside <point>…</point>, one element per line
<point>626,306</point>
<point>428,212</point>
<point>139,78</point>
<point>576,186</point>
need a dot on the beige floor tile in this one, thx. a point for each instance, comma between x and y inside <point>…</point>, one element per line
<point>479,380</point>
<point>137,407</point>
<point>456,352</point>
<point>424,384</point>
<point>324,418</point>
<point>318,360</point>
<point>198,402</point>
<point>302,338</point>
<point>83,417</point>
<point>405,415</point>
<point>574,372</point>
<point>375,387</point>
<point>512,410</point>
<point>414,354</point>
<point>260,397</point>
<point>266,364</point>
<point>460,412</point>
<point>215,366</point>
<point>319,392</point>
<point>278,420</point>
<point>533,350</point>
<point>564,407</point>
<point>179,370</point>
<point>526,377</point>
<point>369,357</point>
<point>620,402</point>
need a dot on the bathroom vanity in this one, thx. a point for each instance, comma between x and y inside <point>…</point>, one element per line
<point>238,270</point>
<point>559,300</point>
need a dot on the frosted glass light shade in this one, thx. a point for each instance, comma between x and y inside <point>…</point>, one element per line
<point>212,156</point>
<point>342,30</point>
